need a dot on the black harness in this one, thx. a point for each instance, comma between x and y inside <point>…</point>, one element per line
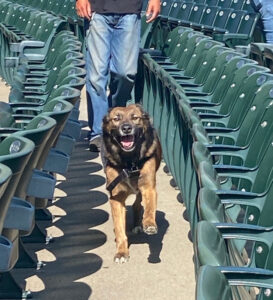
<point>127,173</point>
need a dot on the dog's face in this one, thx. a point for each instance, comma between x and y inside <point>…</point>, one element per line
<point>126,125</point>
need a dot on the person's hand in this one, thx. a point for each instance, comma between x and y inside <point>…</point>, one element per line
<point>83,8</point>
<point>153,10</point>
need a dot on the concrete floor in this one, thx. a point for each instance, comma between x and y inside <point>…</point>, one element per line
<point>79,263</point>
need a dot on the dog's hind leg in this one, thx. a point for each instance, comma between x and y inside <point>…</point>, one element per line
<point>119,219</point>
<point>137,212</point>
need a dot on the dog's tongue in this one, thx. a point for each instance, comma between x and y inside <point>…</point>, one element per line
<point>127,141</point>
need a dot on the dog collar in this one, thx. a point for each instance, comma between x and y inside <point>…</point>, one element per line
<point>125,173</point>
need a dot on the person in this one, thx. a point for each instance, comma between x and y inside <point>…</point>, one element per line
<point>265,7</point>
<point>112,44</point>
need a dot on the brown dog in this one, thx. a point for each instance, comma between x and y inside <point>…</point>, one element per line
<point>132,155</point>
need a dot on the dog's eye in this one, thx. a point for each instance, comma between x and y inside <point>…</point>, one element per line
<point>116,118</point>
<point>135,118</point>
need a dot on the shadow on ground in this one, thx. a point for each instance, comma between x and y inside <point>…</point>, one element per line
<point>155,242</point>
<point>70,253</point>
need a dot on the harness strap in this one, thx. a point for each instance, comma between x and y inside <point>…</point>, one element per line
<point>125,173</point>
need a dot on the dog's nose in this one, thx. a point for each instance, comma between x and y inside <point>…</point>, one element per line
<point>126,128</point>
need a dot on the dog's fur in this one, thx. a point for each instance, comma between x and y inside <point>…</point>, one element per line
<point>129,140</point>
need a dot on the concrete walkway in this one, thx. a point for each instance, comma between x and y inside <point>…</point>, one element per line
<point>79,263</point>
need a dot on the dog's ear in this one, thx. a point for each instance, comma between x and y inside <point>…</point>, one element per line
<point>144,114</point>
<point>106,118</point>
<point>105,122</point>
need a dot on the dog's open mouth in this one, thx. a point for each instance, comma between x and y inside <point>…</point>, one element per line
<point>127,142</point>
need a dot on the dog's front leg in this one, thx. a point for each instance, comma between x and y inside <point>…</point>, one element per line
<point>149,199</point>
<point>119,218</point>
<point>147,183</point>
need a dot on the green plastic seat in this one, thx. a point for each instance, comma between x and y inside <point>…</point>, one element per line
<point>235,4</point>
<point>15,153</point>
<point>232,24</point>
<point>177,41</point>
<point>212,284</point>
<point>195,16</point>
<point>268,56</point>
<point>219,21</point>
<point>207,19</point>
<point>38,130</point>
<point>5,175</point>
<point>243,34</point>
<point>70,76</point>
<point>168,52</point>
<point>252,159</point>
<point>243,123</point>
<point>233,76</point>
<point>183,13</point>
<point>43,35</point>
<point>220,251</point>
<point>256,52</point>
<point>246,180</point>
<point>247,79</point>
<point>207,84</point>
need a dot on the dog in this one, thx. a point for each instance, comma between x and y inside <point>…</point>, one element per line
<point>132,155</point>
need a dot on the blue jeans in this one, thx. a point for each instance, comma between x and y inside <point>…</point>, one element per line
<point>266,12</point>
<point>112,42</point>
<point>267,17</point>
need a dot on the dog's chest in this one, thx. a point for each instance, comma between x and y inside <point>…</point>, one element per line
<point>132,183</point>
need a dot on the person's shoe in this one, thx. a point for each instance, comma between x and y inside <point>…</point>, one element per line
<point>95,143</point>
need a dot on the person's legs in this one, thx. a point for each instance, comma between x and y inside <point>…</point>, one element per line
<point>124,58</point>
<point>98,39</point>
<point>267,17</point>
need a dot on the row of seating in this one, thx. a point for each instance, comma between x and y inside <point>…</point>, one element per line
<point>235,4</point>
<point>231,25</point>
<point>212,108</point>
<point>44,66</point>
<point>64,9</point>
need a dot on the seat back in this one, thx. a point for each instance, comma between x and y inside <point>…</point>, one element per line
<point>174,10</point>
<point>39,130</point>
<point>15,152</point>
<point>216,72</point>
<point>208,63</point>
<point>230,83</point>
<point>248,23</point>
<point>222,17</point>
<point>197,13</point>
<point>5,175</point>
<point>165,8</point>
<point>244,86</point>
<point>212,284</point>
<point>184,11</point>
<point>59,110</point>
<point>224,3</point>
<point>209,15</point>
<point>234,20</point>
<point>252,119</point>
<point>237,4</point>
<point>200,52</point>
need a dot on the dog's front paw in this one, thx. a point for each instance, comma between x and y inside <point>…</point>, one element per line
<point>121,258</point>
<point>150,229</point>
